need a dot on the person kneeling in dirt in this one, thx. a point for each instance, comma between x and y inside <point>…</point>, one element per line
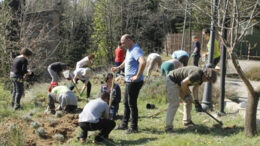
<point>177,82</point>
<point>64,96</point>
<point>95,117</point>
<point>116,95</point>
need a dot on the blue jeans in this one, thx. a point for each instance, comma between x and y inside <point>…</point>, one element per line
<point>113,111</point>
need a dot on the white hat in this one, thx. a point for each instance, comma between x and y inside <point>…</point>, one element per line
<point>86,72</point>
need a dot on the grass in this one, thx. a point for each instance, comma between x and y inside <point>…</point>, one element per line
<point>253,74</point>
<point>151,130</point>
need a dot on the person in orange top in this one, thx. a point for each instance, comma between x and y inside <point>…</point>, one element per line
<point>119,57</point>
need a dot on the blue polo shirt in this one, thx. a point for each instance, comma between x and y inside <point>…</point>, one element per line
<point>132,64</point>
<point>177,54</point>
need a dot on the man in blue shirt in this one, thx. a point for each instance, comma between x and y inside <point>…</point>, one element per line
<point>134,66</point>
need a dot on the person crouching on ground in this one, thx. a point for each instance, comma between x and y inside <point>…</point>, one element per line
<point>95,117</point>
<point>64,96</point>
<point>116,95</point>
<point>82,74</point>
<point>17,75</point>
<point>177,82</point>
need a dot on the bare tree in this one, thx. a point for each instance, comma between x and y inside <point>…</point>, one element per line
<point>238,13</point>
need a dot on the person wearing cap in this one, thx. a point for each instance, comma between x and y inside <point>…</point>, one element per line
<point>82,74</point>
<point>17,75</point>
<point>196,51</point>
<point>55,69</point>
<point>119,57</point>
<point>170,65</point>
<point>182,56</point>
<point>85,61</point>
<point>64,96</point>
<point>154,61</point>
<point>116,95</point>
<point>216,56</point>
<point>177,85</point>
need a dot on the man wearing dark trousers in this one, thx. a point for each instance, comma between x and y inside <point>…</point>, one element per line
<point>134,65</point>
<point>95,116</point>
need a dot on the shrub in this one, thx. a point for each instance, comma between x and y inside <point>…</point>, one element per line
<point>41,132</point>
<point>15,135</point>
<point>253,74</point>
<point>35,125</point>
<point>58,137</point>
<point>27,118</point>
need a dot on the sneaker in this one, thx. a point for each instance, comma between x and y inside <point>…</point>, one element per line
<point>189,124</point>
<point>131,130</point>
<point>169,130</point>
<point>17,107</point>
<point>121,127</point>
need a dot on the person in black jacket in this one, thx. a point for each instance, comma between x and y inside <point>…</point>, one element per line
<point>116,95</point>
<point>17,74</point>
<point>55,69</point>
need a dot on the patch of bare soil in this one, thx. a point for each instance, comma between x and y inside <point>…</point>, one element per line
<point>64,125</point>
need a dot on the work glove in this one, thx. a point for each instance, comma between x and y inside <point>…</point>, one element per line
<point>192,54</point>
<point>198,106</point>
<point>81,94</point>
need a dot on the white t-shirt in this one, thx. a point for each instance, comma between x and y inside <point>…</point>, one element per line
<point>82,62</point>
<point>93,111</point>
<point>79,73</point>
<point>152,56</point>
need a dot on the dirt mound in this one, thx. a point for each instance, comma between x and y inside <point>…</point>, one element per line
<point>65,126</point>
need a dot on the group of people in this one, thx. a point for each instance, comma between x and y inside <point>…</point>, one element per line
<point>97,115</point>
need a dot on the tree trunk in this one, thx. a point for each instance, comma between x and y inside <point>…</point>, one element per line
<point>250,119</point>
<point>251,107</point>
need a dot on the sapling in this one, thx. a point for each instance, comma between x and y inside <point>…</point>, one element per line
<point>35,124</point>
<point>58,137</point>
<point>40,131</point>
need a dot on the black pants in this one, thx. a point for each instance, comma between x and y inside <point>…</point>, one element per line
<point>70,108</point>
<point>104,125</point>
<point>88,87</point>
<point>17,92</point>
<point>196,60</point>
<point>132,90</point>
<point>184,60</point>
<point>216,61</point>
